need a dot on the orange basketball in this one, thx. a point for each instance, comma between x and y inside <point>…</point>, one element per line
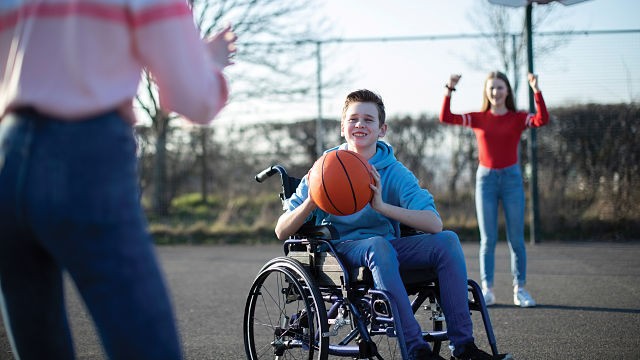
<point>339,182</point>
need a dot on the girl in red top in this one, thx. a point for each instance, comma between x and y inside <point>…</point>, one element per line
<point>498,128</point>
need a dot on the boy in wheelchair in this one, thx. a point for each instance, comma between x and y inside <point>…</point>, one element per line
<point>371,237</point>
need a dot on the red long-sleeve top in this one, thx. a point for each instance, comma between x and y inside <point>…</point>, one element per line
<point>498,136</point>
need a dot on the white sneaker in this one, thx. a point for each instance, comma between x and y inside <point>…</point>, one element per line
<point>522,298</point>
<point>489,298</point>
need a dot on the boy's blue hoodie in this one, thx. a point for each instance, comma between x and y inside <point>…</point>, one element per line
<point>399,187</point>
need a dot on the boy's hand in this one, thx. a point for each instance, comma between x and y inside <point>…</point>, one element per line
<point>376,201</point>
<point>310,205</point>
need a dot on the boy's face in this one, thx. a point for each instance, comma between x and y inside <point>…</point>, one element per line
<point>361,127</point>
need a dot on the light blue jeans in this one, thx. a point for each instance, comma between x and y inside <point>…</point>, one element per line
<point>495,186</point>
<point>69,203</point>
<point>440,253</point>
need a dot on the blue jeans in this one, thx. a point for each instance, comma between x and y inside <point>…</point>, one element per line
<point>492,187</point>
<point>440,253</point>
<point>69,202</point>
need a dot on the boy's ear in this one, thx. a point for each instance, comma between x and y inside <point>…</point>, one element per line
<point>383,130</point>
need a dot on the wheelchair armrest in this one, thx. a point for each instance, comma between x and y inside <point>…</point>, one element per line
<point>408,231</point>
<point>324,232</point>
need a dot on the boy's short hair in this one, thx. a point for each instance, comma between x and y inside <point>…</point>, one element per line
<point>365,95</point>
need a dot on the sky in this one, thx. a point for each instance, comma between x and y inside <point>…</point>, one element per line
<point>410,76</point>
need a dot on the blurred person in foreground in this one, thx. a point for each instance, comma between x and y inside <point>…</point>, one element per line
<point>69,70</point>
<point>498,128</point>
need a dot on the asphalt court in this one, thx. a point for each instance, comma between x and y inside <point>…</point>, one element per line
<point>588,297</point>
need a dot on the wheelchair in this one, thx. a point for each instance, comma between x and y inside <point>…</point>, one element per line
<point>308,305</point>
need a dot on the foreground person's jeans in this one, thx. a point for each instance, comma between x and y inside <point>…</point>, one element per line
<point>69,202</point>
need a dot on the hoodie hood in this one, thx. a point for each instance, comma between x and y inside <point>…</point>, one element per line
<point>383,158</point>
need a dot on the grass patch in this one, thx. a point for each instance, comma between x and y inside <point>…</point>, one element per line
<point>252,219</point>
<point>244,220</point>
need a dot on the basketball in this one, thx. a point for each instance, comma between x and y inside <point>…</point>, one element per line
<point>339,182</point>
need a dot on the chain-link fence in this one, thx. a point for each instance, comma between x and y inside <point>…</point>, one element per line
<point>588,170</point>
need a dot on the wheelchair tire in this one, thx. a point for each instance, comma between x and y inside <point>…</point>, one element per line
<point>284,314</point>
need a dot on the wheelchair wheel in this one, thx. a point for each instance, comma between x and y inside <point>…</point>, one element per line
<point>285,315</point>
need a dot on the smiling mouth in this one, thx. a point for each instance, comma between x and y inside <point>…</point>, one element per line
<point>359,134</point>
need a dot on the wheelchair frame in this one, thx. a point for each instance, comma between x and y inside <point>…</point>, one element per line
<point>360,318</point>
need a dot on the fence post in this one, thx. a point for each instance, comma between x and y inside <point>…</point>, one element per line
<point>533,142</point>
<point>319,130</point>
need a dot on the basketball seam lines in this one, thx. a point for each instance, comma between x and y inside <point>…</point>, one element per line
<point>353,191</point>
<point>366,165</point>
<point>325,187</point>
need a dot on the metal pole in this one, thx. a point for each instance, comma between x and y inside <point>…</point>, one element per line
<point>533,142</point>
<point>319,130</point>
<point>514,62</point>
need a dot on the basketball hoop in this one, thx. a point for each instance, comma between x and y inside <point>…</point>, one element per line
<point>521,3</point>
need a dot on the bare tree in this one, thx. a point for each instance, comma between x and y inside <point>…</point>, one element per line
<point>414,141</point>
<point>592,155</point>
<point>147,99</point>
<point>505,48</point>
<point>271,36</point>
<point>463,159</point>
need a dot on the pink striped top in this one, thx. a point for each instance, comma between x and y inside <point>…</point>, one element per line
<point>76,58</point>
